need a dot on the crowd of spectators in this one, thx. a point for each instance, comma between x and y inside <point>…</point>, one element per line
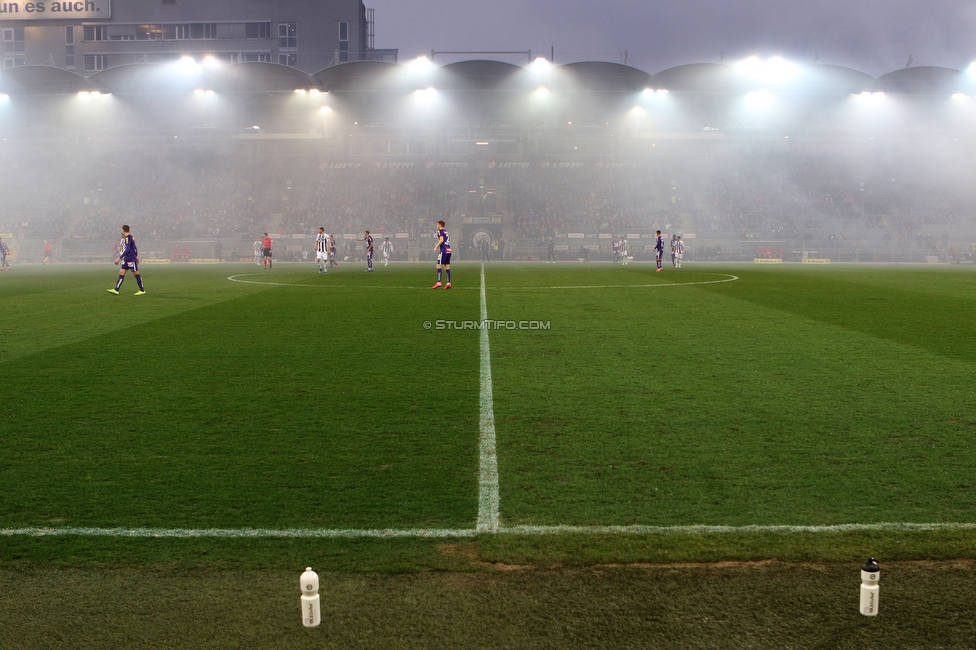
<point>186,194</point>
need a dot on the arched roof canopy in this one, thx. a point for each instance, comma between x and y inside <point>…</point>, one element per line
<point>478,75</point>
<point>43,80</point>
<point>831,80</point>
<point>256,77</point>
<point>361,76</point>
<point>697,78</point>
<point>922,80</point>
<point>602,76</point>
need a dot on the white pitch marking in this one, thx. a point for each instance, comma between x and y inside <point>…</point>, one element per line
<point>229,533</point>
<point>488,459</point>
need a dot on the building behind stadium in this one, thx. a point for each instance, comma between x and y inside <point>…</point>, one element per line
<point>92,35</point>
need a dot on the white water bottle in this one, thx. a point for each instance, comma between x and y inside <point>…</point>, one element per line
<point>311,610</point>
<point>870,574</point>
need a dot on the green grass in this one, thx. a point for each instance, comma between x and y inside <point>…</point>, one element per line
<point>669,606</point>
<point>790,396</point>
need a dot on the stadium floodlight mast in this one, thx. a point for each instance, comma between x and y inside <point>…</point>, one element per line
<point>774,70</point>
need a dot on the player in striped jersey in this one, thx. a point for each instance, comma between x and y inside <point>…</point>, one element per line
<point>322,251</point>
<point>679,250</point>
<point>387,251</point>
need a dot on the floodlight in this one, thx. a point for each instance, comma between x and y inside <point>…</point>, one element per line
<point>210,61</point>
<point>325,110</point>
<point>541,91</point>
<point>648,91</point>
<point>199,92</point>
<point>481,143</point>
<point>637,110</point>
<point>420,64</point>
<point>960,98</point>
<point>95,94</point>
<point>772,71</point>
<point>83,94</point>
<point>300,91</point>
<point>541,64</point>
<point>972,68</point>
<point>661,91</point>
<point>186,65</point>
<point>4,97</point>
<point>314,92</point>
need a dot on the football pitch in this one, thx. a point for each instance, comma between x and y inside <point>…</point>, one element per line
<point>600,400</point>
<point>545,455</point>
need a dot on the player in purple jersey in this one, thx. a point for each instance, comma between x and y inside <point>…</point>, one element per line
<point>128,261</point>
<point>369,251</point>
<point>443,250</point>
<point>658,251</point>
<point>616,250</point>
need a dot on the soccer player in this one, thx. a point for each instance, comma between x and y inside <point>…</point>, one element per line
<point>322,251</point>
<point>679,250</point>
<point>387,251</point>
<point>332,252</point>
<point>443,250</point>
<point>674,238</point>
<point>48,249</point>
<point>624,249</point>
<point>266,245</point>
<point>658,251</point>
<point>128,261</point>
<point>369,250</point>
<point>551,251</point>
<point>616,250</point>
<point>4,264</point>
<point>257,252</point>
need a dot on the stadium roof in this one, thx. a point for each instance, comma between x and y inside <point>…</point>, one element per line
<point>42,80</point>
<point>922,80</point>
<point>604,76</point>
<point>357,76</point>
<point>474,75</point>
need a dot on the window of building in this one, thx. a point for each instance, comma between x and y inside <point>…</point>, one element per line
<point>288,58</point>
<point>257,30</point>
<point>95,62</point>
<point>69,47</point>
<point>343,41</point>
<point>13,42</point>
<point>150,32</point>
<point>95,33</point>
<point>253,56</point>
<point>181,32</point>
<point>288,35</point>
<point>121,32</point>
<point>203,31</point>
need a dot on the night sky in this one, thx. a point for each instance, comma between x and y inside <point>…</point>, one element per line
<point>874,36</point>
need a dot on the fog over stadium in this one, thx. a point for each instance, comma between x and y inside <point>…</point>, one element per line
<point>790,141</point>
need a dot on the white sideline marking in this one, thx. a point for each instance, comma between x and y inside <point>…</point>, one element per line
<point>488,460</point>
<point>229,533</point>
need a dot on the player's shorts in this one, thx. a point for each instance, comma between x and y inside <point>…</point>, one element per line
<point>386,255</point>
<point>658,255</point>
<point>443,258</point>
<point>129,266</point>
<point>369,255</point>
<point>321,255</point>
<point>267,252</point>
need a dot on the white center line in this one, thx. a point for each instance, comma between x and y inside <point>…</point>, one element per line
<point>488,470</point>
